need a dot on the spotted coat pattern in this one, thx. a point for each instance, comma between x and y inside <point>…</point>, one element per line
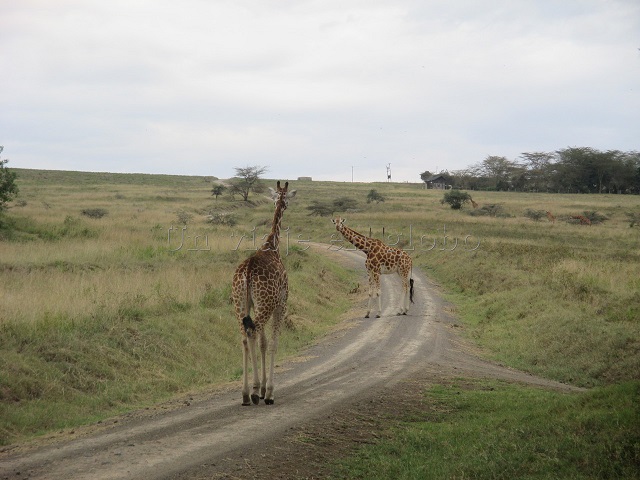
<point>260,283</point>
<point>381,259</point>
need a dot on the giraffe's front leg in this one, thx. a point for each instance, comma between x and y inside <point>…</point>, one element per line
<point>374,294</point>
<point>404,298</point>
<point>377,293</point>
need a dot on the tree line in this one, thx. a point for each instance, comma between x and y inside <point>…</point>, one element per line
<point>571,170</point>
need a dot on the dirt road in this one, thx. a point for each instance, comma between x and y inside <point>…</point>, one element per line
<point>366,365</point>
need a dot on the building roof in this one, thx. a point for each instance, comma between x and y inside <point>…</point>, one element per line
<point>434,178</point>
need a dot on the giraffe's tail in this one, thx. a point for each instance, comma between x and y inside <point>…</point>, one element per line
<point>249,326</point>
<point>247,322</point>
<point>411,290</point>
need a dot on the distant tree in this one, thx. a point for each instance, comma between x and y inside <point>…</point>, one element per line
<point>247,180</point>
<point>374,196</point>
<point>424,176</point>
<point>456,198</point>
<point>498,169</point>
<point>217,190</point>
<point>8,187</point>
<point>539,167</point>
<point>320,209</point>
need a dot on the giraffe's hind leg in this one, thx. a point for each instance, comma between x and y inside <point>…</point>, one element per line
<point>272,349</point>
<point>254,364</point>
<point>245,372</point>
<point>263,353</point>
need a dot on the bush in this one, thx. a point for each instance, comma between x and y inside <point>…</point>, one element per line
<point>183,216</point>
<point>634,219</point>
<point>535,215</point>
<point>222,218</point>
<point>344,204</point>
<point>8,187</point>
<point>456,199</point>
<point>374,196</point>
<point>94,212</point>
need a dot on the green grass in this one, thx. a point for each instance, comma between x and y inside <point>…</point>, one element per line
<point>491,430</point>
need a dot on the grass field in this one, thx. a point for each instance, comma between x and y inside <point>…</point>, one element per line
<point>95,310</point>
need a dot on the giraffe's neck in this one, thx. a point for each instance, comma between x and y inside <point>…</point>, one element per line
<point>273,240</point>
<point>357,240</point>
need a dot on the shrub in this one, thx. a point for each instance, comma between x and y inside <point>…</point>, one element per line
<point>222,218</point>
<point>634,219</point>
<point>94,212</point>
<point>8,187</point>
<point>456,199</point>
<point>344,204</point>
<point>535,215</point>
<point>183,216</point>
<point>374,196</point>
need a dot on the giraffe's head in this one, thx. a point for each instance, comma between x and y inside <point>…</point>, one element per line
<point>338,222</point>
<point>281,195</point>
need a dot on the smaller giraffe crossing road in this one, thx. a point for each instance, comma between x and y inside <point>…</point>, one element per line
<point>198,439</point>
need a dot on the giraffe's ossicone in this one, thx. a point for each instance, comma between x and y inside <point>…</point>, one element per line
<point>260,284</point>
<point>381,259</point>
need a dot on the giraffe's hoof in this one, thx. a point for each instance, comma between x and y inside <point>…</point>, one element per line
<point>404,313</point>
<point>269,401</point>
<point>255,399</point>
<point>378,316</point>
<point>245,400</point>
<point>366,316</point>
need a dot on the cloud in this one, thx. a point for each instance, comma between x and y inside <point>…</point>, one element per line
<point>313,87</point>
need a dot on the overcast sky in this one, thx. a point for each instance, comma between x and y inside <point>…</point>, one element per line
<point>332,89</point>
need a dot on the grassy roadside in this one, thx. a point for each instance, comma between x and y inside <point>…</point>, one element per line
<point>484,429</point>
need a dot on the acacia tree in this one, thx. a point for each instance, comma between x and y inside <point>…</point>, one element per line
<point>247,180</point>
<point>218,190</point>
<point>499,170</point>
<point>539,169</point>
<point>8,187</point>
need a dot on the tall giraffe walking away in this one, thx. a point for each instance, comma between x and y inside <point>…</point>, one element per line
<point>381,259</point>
<point>261,282</point>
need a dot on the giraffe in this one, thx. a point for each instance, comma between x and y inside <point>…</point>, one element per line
<point>550,216</point>
<point>261,282</point>
<point>381,259</point>
<point>473,204</point>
